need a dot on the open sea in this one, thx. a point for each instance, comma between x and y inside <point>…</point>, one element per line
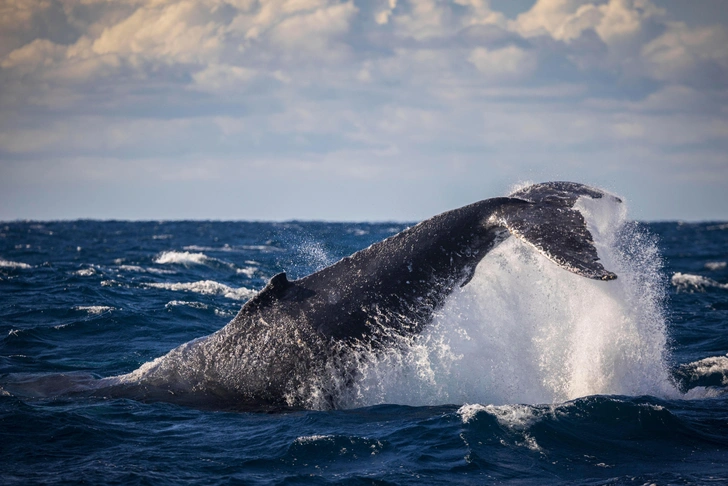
<point>529,375</point>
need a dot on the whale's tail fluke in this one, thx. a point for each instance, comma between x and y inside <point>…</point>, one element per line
<point>551,224</point>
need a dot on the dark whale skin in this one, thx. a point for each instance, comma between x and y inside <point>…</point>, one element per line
<point>408,275</point>
<point>298,339</point>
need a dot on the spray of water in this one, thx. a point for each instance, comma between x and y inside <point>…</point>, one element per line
<point>527,331</point>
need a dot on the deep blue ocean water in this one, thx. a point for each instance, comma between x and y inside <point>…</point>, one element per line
<point>86,299</point>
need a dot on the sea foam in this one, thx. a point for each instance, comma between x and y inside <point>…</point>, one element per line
<point>181,258</point>
<point>95,309</point>
<point>525,330</point>
<point>716,265</point>
<point>207,287</point>
<point>686,282</point>
<point>9,264</point>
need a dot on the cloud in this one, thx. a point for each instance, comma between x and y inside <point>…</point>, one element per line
<point>304,85</point>
<point>314,33</point>
<point>695,56</point>
<point>223,77</point>
<point>184,32</point>
<point>614,21</point>
<point>507,63</point>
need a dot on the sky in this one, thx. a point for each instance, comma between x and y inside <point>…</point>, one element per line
<point>357,110</point>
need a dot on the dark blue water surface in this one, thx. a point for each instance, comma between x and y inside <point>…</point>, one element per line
<point>87,299</point>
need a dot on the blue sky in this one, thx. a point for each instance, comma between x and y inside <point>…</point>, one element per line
<point>357,110</point>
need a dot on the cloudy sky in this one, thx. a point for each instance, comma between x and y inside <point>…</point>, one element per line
<point>357,109</point>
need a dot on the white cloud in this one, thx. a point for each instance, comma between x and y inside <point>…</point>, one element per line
<point>304,85</point>
<point>683,54</point>
<point>567,19</point>
<point>422,19</point>
<point>314,33</point>
<point>17,22</point>
<point>505,64</point>
<point>178,32</point>
<point>382,16</point>
<point>40,52</point>
<point>223,77</point>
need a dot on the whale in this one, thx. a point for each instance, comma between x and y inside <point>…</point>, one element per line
<point>300,340</point>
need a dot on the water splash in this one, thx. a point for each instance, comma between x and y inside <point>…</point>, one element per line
<point>526,331</point>
<point>523,330</point>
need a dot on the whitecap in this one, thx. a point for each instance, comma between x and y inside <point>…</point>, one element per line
<point>313,438</point>
<point>468,411</point>
<point>686,282</point>
<point>85,272</point>
<point>262,248</point>
<point>198,248</point>
<point>131,268</point>
<point>206,287</point>
<point>717,227</point>
<point>9,264</point>
<point>138,269</point>
<point>225,247</point>
<point>95,309</point>
<point>715,265</point>
<point>714,366</point>
<point>177,303</point>
<point>181,257</point>
<point>233,249</point>
<point>247,271</point>
<point>515,418</point>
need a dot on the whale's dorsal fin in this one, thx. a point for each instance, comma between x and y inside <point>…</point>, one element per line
<point>550,223</point>
<point>277,284</point>
<point>272,292</point>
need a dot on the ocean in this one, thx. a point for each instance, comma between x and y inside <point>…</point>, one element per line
<point>528,375</point>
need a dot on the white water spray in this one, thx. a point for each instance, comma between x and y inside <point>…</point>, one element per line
<point>527,331</point>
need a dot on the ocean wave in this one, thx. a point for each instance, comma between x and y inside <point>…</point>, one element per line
<point>512,416</point>
<point>716,265</point>
<point>138,269</point>
<point>207,287</point>
<point>94,309</point>
<point>515,418</point>
<point>686,282</point>
<point>707,372</point>
<point>540,427</point>
<point>181,257</point>
<point>234,249</point>
<point>717,227</point>
<point>178,303</point>
<point>85,272</point>
<point>313,438</point>
<point>9,264</point>
<point>310,447</point>
<point>247,271</point>
<point>187,258</point>
<point>225,248</point>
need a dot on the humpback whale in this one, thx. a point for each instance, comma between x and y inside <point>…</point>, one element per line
<point>298,339</point>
